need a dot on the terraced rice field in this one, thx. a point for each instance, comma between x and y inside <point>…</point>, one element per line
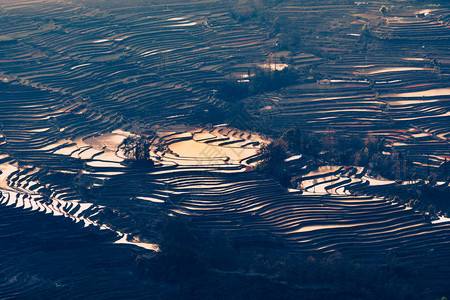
<point>398,89</point>
<point>76,81</point>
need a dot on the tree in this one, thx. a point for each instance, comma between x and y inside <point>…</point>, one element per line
<point>275,152</point>
<point>137,148</point>
<point>273,164</point>
<point>432,179</point>
<point>302,142</point>
<point>444,166</point>
<point>246,9</point>
<point>293,138</point>
<point>289,35</point>
<point>329,143</point>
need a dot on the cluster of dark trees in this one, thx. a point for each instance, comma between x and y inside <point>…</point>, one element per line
<point>289,36</point>
<point>261,80</point>
<point>243,10</point>
<point>137,148</point>
<point>272,163</point>
<point>334,149</point>
<point>208,264</point>
<point>369,151</point>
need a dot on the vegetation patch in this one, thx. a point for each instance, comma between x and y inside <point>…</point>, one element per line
<point>259,80</point>
<point>137,148</point>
